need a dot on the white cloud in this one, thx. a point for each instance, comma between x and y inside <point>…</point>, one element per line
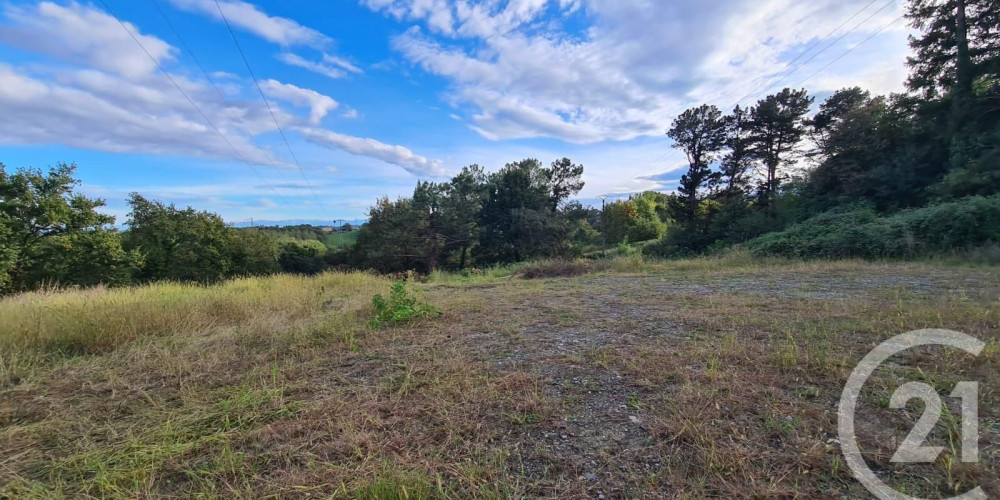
<point>319,104</point>
<point>331,66</point>
<point>397,155</point>
<point>634,68</point>
<point>120,102</point>
<point>280,30</point>
<point>341,62</point>
<point>103,112</point>
<point>84,35</point>
<point>135,109</point>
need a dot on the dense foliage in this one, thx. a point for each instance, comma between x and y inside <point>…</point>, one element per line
<point>49,234</point>
<point>861,232</point>
<point>758,170</point>
<point>516,213</point>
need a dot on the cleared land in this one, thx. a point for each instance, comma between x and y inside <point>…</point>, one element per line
<point>690,379</point>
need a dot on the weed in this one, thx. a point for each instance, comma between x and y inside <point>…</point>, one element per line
<point>634,402</point>
<point>400,307</point>
<point>602,357</point>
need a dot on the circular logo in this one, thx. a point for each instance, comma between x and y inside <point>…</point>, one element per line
<point>910,450</point>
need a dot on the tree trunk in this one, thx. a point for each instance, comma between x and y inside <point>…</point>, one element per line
<point>963,78</point>
<point>962,93</point>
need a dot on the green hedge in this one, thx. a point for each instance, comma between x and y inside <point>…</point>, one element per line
<point>962,224</point>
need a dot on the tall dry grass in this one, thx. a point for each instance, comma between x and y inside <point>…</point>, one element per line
<point>96,320</point>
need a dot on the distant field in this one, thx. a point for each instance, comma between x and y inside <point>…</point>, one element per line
<point>706,378</point>
<point>337,240</point>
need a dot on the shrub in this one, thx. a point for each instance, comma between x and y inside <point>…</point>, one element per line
<point>302,257</point>
<point>645,230</point>
<point>958,225</point>
<point>400,307</point>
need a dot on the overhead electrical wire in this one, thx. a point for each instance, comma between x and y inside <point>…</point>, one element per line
<point>807,49</point>
<point>211,80</point>
<point>185,94</point>
<point>839,38</point>
<point>848,51</point>
<point>268,105</point>
<point>757,91</point>
<point>215,86</point>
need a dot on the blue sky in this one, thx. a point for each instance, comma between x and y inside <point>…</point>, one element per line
<point>373,95</point>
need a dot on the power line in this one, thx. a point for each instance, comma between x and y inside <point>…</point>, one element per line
<point>215,86</point>
<point>841,37</point>
<point>268,104</point>
<point>810,47</point>
<point>207,75</point>
<point>848,51</point>
<point>800,65</point>
<point>181,90</point>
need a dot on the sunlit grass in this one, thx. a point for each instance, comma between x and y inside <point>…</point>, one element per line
<point>99,319</point>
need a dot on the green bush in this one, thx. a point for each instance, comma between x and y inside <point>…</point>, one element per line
<point>400,307</point>
<point>645,230</point>
<point>861,232</point>
<point>302,256</point>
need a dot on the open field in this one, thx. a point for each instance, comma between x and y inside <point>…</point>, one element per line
<point>341,240</point>
<point>707,378</point>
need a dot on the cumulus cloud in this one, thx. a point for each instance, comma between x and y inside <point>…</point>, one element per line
<point>84,35</point>
<point>121,103</point>
<point>319,104</point>
<point>629,72</point>
<point>417,165</point>
<point>330,66</point>
<point>103,112</point>
<point>280,30</point>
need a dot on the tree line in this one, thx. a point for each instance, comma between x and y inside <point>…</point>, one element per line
<point>520,212</point>
<point>860,175</point>
<point>765,168</point>
<point>53,236</point>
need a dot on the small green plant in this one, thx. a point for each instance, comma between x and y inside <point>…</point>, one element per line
<point>400,307</point>
<point>634,402</point>
<point>628,250</point>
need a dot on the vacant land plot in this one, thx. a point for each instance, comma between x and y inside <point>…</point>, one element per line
<point>692,379</point>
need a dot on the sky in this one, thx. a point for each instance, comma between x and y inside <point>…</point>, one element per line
<point>279,110</point>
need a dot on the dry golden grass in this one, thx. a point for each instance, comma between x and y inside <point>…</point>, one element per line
<point>706,378</point>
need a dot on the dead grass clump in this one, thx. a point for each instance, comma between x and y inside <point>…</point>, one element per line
<point>552,269</point>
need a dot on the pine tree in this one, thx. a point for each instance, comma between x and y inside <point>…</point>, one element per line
<point>778,126</point>
<point>701,133</point>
